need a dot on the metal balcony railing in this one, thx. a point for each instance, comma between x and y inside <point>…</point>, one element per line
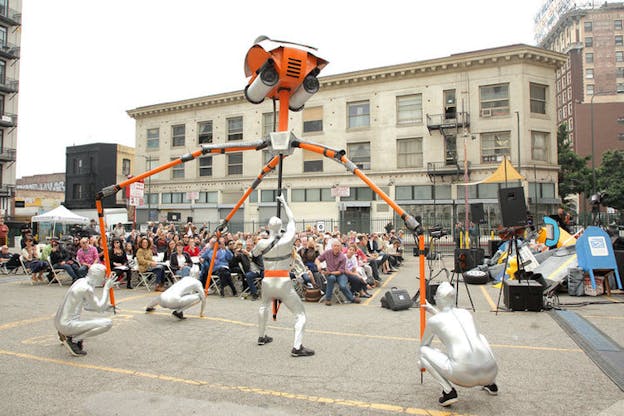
<point>10,16</point>
<point>446,169</point>
<point>9,85</point>
<point>7,190</point>
<point>9,50</point>
<point>448,121</point>
<point>7,154</point>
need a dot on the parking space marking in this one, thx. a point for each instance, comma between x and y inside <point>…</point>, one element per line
<point>245,389</point>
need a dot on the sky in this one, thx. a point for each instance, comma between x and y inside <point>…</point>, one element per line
<point>84,63</point>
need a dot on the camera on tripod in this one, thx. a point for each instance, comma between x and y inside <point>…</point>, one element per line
<point>437,231</point>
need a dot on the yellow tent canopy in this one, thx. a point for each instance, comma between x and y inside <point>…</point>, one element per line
<point>504,172</point>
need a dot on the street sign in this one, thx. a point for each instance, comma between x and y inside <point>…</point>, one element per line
<point>135,202</point>
<point>137,190</point>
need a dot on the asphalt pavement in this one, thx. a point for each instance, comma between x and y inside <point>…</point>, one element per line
<point>365,362</point>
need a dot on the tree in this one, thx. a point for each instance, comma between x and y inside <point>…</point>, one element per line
<point>610,179</point>
<point>574,175</point>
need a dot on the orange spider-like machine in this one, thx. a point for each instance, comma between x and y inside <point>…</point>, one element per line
<point>285,72</point>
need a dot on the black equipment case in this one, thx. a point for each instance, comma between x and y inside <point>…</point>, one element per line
<point>396,299</point>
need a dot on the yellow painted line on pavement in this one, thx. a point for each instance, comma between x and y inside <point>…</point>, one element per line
<point>16,324</point>
<point>385,283</point>
<point>245,389</point>
<point>488,298</point>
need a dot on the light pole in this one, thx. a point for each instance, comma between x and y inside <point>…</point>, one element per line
<point>593,158</point>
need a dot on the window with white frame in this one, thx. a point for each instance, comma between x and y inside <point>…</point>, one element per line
<point>589,73</point>
<point>153,138</point>
<point>235,163</point>
<point>494,100</point>
<point>540,146</point>
<point>177,135</point>
<point>587,26</point>
<point>619,40</point>
<point>359,114</point>
<point>619,56</point>
<point>495,146</point>
<point>311,195</point>
<point>619,72</point>
<point>204,132</point>
<point>177,171</point>
<point>235,128</point>
<point>410,153</point>
<point>175,198</point>
<point>589,88</point>
<point>409,109</point>
<point>270,195</point>
<point>313,119</point>
<point>589,42</point>
<point>538,98</point>
<point>359,153</point>
<point>589,58</point>
<point>617,24</point>
<point>269,123</point>
<point>205,165</point>
<point>125,167</point>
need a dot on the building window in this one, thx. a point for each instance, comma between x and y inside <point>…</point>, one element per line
<point>175,198</point>
<point>269,122</point>
<point>312,162</point>
<point>77,191</point>
<point>125,167</point>
<point>619,72</point>
<point>589,58</point>
<point>311,195</point>
<point>410,153</point>
<point>589,42</point>
<point>235,164</point>
<point>204,132</point>
<point>208,197</point>
<point>538,98</point>
<point>77,165</point>
<point>540,146</point>
<point>590,89</point>
<point>359,153</point>
<point>235,128</point>
<point>619,40</point>
<point>151,199</point>
<point>360,194</point>
<point>589,73</point>
<point>177,171</point>
<point>177,135</point>
<point>619,88</point>
<point>271,195</point>
<point>205,166</point>
<point>409,109</point>
<point>153,138</point>
<point>617,24</point>
<point>495,146</point>
<point>312,119</point>
<point>587,26</point>
<point>494,100</point>
<point>619,56</point>
<point>359,114</point>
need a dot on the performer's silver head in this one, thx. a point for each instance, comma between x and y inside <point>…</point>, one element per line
<point>96,275</point>
<point>445,295</point>
<point>275,225</point>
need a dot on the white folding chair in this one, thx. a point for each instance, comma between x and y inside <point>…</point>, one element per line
<point>170,276</point>
<point>144,279</point>
<point>27,270</point>
<point>215,286</point>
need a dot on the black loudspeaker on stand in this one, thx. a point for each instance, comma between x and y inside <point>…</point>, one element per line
<point>513,207</point>
<point>476,213</point>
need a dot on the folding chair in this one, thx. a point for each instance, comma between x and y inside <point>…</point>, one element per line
<point>214,287</point>
<point>145,279</point>
<point>57,273</point>
<point>170,276</point>
<point>258,282</point>
<point>27,270</point>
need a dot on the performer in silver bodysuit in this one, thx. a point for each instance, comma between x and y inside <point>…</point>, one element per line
<point>71,329</point>
<point>277,255</point>
<point>469,361</point>
<point>183,294</point>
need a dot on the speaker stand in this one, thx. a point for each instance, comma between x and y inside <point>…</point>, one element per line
<point>512,245</point>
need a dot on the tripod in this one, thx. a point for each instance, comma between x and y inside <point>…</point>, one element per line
<point>434,258</point>
<point>457,271</point>
<point>511,235</point>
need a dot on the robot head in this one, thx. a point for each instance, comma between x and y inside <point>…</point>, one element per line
<point>445,295</point>
<point>96,274</point>
<point>275,225</point>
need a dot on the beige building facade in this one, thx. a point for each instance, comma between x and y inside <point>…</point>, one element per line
<point>409,127</point>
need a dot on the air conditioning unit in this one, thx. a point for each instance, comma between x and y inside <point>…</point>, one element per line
<point>486,112</point>
<point>7,119</point>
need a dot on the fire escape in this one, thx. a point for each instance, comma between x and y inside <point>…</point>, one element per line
<point>451,125</point>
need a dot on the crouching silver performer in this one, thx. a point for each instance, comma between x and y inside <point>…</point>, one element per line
<point>276,284</point>
<point>469,361</point>
<point>183,294</point>
<point>71,329</point>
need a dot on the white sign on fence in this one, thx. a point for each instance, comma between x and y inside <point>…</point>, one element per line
<point>137,190</point>
<point>341,191</point>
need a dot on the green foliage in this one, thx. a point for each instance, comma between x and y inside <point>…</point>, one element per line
<point>610,179</point>
<point>574,175</point>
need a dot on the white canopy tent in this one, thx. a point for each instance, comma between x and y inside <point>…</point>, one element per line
<point>60,215</point>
